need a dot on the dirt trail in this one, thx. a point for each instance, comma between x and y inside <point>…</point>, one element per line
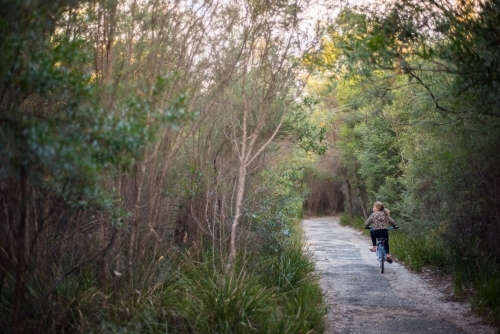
<point>362,300</point>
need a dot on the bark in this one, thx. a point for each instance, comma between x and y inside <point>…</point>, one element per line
<point>240,193</point>
<point>363,206</point>
<point>21,259</point>
<point>349,194</point>
<point>134,229</point>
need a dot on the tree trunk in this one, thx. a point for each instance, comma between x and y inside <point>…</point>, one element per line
<point>134,228</point>
<point>240,194</point>
<point>349,194</point>
<point>21,242</point>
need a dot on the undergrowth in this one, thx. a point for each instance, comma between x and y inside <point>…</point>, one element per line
<point>268,293</point>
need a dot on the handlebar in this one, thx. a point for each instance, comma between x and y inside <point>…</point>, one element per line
<point>390,228</point>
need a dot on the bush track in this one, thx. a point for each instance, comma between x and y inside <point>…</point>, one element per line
<point>362,300</point>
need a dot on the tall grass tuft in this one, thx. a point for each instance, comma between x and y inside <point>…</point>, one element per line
<point>279,294</point>
<point>420,250</point>
<point>488,294</point>
<point>357,222</point>
<point>211,300</point>
<point>298,293</point>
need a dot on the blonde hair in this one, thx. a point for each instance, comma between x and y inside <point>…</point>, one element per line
<point>380,207</point>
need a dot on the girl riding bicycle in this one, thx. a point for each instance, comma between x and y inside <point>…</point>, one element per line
<point>380,220</point>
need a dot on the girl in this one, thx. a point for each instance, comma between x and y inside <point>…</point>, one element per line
<point>380,220</point>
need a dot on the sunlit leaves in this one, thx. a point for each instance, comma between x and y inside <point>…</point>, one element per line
<point>307,125</point>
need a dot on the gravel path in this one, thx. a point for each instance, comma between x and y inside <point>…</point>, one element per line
<point>362,300</point>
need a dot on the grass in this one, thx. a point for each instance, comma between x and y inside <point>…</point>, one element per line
<point>473,273</point>
<point>272,293</point>
<point>418,251</point>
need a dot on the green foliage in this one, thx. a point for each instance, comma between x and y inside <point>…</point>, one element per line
<point>52,122</point>
<point>77,296</point>
<point>358,222</point>
<point>301,121</point>
<point>284,298</point>
<point>92,113</point>
<point>370,150</point>
<point>291,273</point>
<point>419,129</point>
<point>221,303</point>
<point>488,293</point>
<point>420,249</point>
<point>280,295</point>
<point>191,296</point>
<point>288,270</point>
<point>277,206</point>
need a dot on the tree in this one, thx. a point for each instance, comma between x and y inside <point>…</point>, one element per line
<point>57,141</point>
<point>266,89</point>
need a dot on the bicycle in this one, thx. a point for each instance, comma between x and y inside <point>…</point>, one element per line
<point>380,253</point>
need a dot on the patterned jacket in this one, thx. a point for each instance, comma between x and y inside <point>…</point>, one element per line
<point>378,222</point>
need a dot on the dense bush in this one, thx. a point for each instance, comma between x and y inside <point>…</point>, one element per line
<point>133,134</point>
<point>418,119</point>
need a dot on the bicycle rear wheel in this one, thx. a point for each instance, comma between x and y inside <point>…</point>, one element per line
<point>382,260</point>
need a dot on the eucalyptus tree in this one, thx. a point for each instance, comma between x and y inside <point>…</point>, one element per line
<point>264,86</point>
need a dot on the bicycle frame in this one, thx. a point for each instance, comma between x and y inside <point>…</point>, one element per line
<point>381,254</point>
